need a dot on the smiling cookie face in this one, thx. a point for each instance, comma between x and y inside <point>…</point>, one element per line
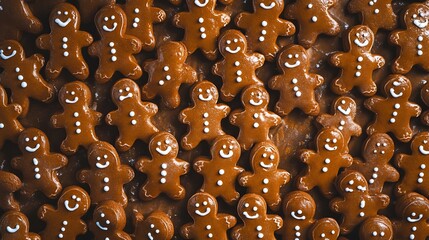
<point>75,92</point>
<point>157,226</point>
<point>232,42</point>
<point>202,205</point>
<point>273,6</point>
<point>398,87</point>
<point>265,156</point>
<point>109,217</point>
<point>413,208</point>
<point>417,17</point>
<point>226,147</point>
<point>255,96</point>
<point>64,15</point>
<point>362,37</point>
<point>325,229</point>
<point>330,140</point>
<point>102,155</point>
<point>352,182</point>
<point>380,147</point>
<point>111,20</point>
<point>33,141</point>
<point>125,89</point>
<point>14,224</point>
<point>74,200</point>
<point>292,57</point>
<point>420,143</point>
<point>163,144</point>
<point>346,106</point>
<point>205,91</point>
<point>252,207</point>
<point>299,206</point>
<point>11,51</point>
<point>376,228</point>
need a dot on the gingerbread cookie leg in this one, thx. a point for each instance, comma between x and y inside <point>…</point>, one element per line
<point>9,183</point>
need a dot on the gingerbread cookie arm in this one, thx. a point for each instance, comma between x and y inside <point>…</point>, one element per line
<point>258,60</point>
<point>347,160</point>
<point>46,212</point>
<point>201,164</point>
<point>245,179</point>
<point>229,221</point>
<point>189,74</point>
<point>337,59</point>
<point>84,38</point>
<point>316,79</point>
<point>127,173</point>
<point>336,205</point>
<point>134,45</point>
<point>400,159</point>
<point>187,231</point>
<point>286,28</point>
<point>158,15</point>
<point>16,163</point>
<point>44,42</point>
<point>414,108</point>
<point>13,110</point>
<point>307,155</point>
<point>142,164</point>
<point>397,37</point>
<point>94,49</point>
<point>284,175</point>
<point>58,120</point>
<point>236,117</point>
<point>381,200</point>
<point>84,176</point>
<point>57,161</point>
<point>113,117</point>
<point>374,103</point>
<point>218,68</point>
<point>180,18</point>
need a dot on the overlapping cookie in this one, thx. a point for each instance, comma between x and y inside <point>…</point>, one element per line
<point>376,14</point>
<point>15,225</point>
<point>10,127</point>
<point>9,184</point>
<point>108,221</point>
<point>156,226</point>
<point>15,17</point>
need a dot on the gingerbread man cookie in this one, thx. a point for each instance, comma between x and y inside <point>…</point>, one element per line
<point>393,113</point>
<point>376,14</point>
<point>65,221</point>
<point>207,222</point>
<point>65,43</point>
<point>106,175</point>
<point>39,166</point>
<point>21,75</point>
<point>299,209</point>
<point>264,26</point>
<point>10,127</point>
<point>14,225</point>
<point>164,169</point>
<point>238,67</point>
<point>16,16</point>
<point>115,50</point>
<point>424,94</point>
<point>377,152</point>
<point>204,117</point>
<point>265,179</point>
<point>324,164</point>
<point>376,228</point>
<point>257,224</point>
<point>324,229</point>
<point>220,172</point>
<point>296,84</point>
<point>108,221</point>
<point>141,16</point>
<point>168,73</point>
<point>254,120</point>
<point>412,41</point>
<point>157,226</point>
<point>133,116</point>
<point>415,177</point>
<point>78,119</point>
<point>357,64</point>
<point>413,211</point>
<point>9,183</point>
<point>356,204</point>
<point>313,19</point>
<point>344,113</point>
<point>202,26</point>
<point>88,8</point>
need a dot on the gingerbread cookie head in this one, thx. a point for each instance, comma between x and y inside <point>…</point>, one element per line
<point>202,205</point>
<point>33,141</point>
<point>64,16</point>
<point>205,92</point>
<point>398,87</point>
<point>324,229</point>
<point>157,226</point>
<point>15,225</point>
<point>74,94</point>
<point>172,50</point>
<point>330,140</point>
<point>125,89</point>
<point>252,207</point>
<point>413,208</point>
<point>415,17</point>
<point>376,228</point>
<point>111,21</point>
<point>163,145</point>
<point>226,147</point>
<point>11,53</point>
<point>299,206</point>
<point>361,38</point>
<point>379,147</point>
<point>265,157</point>
<point>108,219</point>
<point>75,201</point>
<point>255,97</point>
<point>273,7</point>
<point>352,183</point>
<point>232,42</point>
<point>420,143</point>
<point>102,155</point>
<point>293,57</point>
<point>346,106</point>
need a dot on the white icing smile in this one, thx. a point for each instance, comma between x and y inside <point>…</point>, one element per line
<point>12,230</point>
<point>105,28</point>
<point>101,227</point>
<point>122,98</point>
<point>294,215</point>
<point>423,150</point>
<point>420,24</point>
<point>361,44</point>
<point>344,111</point>
<point>271,6</point>
<point>228,49</point>
<point>30,149</point>
<point>67,206</point>
<point>164,152</point>
<point>259,102</point>
<point>6,57</point>
<point>266,166</point>
<point>247,215</point>
<point>394,94</point>
<point>329,148</point>
<point>205,99</point>
<point>149,235</point>
<point>102,166</point>
<point>413,220</point>
<point>199,4</point>
<point>296,64</point>
<point>348,189</point>
<point>61,23</point>
<point>72,101</point>
<point>202,214</point>
<point>223,155</point>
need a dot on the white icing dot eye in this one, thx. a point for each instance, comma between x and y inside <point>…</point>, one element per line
<point>106,19</point>
<point>107,222</point>
<point>322,235</point>
<point>127,89</point>
<point>112,17</point>
<point>228,41</point>
<point>158,143</point>
<point>197,205</point>
<point>66,13</point>
<point>246,205</point>
<point>334,140</point>
<point>289,56</point>
<point>343,101</point>
<point>157,230</point>
<point>9,48</point>
<point>72,93</point>
<point>357,34</point>
<point>328,140</point>
<point>374,233</point>
<point>235,40</point>
<point>208,91</point>
<point>102,215</point>
<point>351,182</point>
<point>299,211</point>
<point>74,197</point>
<point>121,91</point>
<point>105,156</point>
<point>382,234</point>
<point>152,225</point>
<point>200,90</point>
<point>421,14</point>
<point>413,214</point>
<point>167,141</point>
<point>231,147</point>
<point>333,232</point>
<point>78,199</point>
<point>378,144</point>
<point>27,139</point>
<point>224,146</point>
<point>34,138</point>
<point>98,158</point>
<point>205,203</point>
<point>425,141</point>
<point>59,12</point>
<point>272,157</point>
<point>264,155</point>
<point>296,55</point>
<point>255,209</point>
<point>414,15</point>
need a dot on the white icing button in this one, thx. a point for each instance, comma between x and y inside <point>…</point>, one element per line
<point>17,69</point>
<point>265,190</point>
<point>314,19</point>
<point>221,172</point>
<point>106,188</point>
<point>111,44</point>
<point>219,183</point>
<point>114,58</point>
<point>75,114</point>
<point>132,114</point>
<point>237,63</point>
<point>200,20</point>
<point>66,54</point>
<point>264,23</point>
<point>23,84</point>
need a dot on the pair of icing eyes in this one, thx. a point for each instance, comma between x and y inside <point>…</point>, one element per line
<point>264,155</point>
<point>290,55</point>
<point>201,90</point>
<point>420,14</point>
<point>257,94</point>
<point>111,17</point>
<point>205,203</point>
<point>65,13</point>
<point>167,141</point>
<point>379,144</point>
<point>230,147</point>
<point>229,41</point>
<point>152,226</point>
<point>28,139</point>
<point>126,89</point>
<point>324,235</point>
<point>72,92</point>
<point>333,140</point>
<point>364,34</point>
<point>103,215</point>
<point>375,233</point>
<point>99,158</point>
<point>74,197</point>
<point>254,208</point>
